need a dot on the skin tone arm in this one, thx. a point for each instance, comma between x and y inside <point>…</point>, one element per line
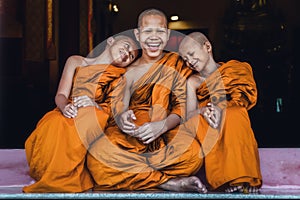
<point>210,112</point>
<point>125,120</point>
<point>65,85</point>
<point>192,102</point>
<point>148,132</point>
<point>67,108</point>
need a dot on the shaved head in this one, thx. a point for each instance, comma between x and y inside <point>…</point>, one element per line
<point>196,36</point>
<point>151,11</point>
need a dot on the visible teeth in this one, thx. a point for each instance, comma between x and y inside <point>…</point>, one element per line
<point>153,45</point>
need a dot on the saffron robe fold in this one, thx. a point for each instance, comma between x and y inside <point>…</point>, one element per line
<point>118,161</point>
<point>56,149</point>
<point>231,151</point>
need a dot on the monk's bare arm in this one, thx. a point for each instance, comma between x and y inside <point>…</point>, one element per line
<point>65,85</point>
<point>191,100</point>
<point>125,120</point>
<point>148,132</point>
<point>210,112</point>
<point>170,122</point>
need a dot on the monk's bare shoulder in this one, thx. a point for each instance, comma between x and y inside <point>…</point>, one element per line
<point>88,61</point>
<point>136,70</point>
<point>195,80</point>
<point>132,67</point>
<point>73,62</point>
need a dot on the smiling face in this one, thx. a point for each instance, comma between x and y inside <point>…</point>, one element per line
<point>152,35</point>
<point>123,51</point>
<point>195,54</point>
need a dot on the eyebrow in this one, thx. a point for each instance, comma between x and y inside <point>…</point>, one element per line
<point>160,28</point>
<point>127,42</point>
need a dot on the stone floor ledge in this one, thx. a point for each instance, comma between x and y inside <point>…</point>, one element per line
<point>280,170</point>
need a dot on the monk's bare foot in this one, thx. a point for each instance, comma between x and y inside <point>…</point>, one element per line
<point>232,189</point>
<point>250,189</point>
<point>246,189</point>
<point>184,184</point>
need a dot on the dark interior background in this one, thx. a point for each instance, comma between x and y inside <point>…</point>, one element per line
<point>262,32</point>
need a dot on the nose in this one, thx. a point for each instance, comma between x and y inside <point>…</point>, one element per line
<point>188,60</point>
<point>125,58</point>
<point>126,52</point>
<point>125,55</point>
<point>154,34</point>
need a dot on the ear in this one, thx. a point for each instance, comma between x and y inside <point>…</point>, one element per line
<point>168,32</point>
<point>110,41</point>
<point>136,34</point>
<point>208,46</point>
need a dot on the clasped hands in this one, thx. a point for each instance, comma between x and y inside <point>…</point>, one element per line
<point>71,109</point>
<point>146,133</point>
<point>212,114</point>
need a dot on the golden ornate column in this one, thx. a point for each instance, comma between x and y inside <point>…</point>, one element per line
<point>51,53</point>
<point>90,28</point>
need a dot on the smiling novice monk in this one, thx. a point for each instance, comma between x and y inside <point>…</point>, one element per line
<point>144,148</point>
<point>219,95</point>
<point>56,149</point>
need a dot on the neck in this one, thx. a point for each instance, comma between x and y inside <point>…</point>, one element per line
<point>148,60</point>
<point>104,58</point>
<point>210,69</point>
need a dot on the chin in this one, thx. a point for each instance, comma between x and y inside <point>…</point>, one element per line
<point>154,54</point>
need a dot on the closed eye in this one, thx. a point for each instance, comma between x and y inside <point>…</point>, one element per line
<point>131,56</point>
<point>190,53</point>
<point>126,46</point>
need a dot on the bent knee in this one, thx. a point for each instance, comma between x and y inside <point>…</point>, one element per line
<point>194,159</point>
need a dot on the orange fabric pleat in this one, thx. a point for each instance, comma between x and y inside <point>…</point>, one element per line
<point>56,151</point>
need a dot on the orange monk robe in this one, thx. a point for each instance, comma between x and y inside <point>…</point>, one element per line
<point>121,162</point>
<point>56,149</point>
<point>231,151</point>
